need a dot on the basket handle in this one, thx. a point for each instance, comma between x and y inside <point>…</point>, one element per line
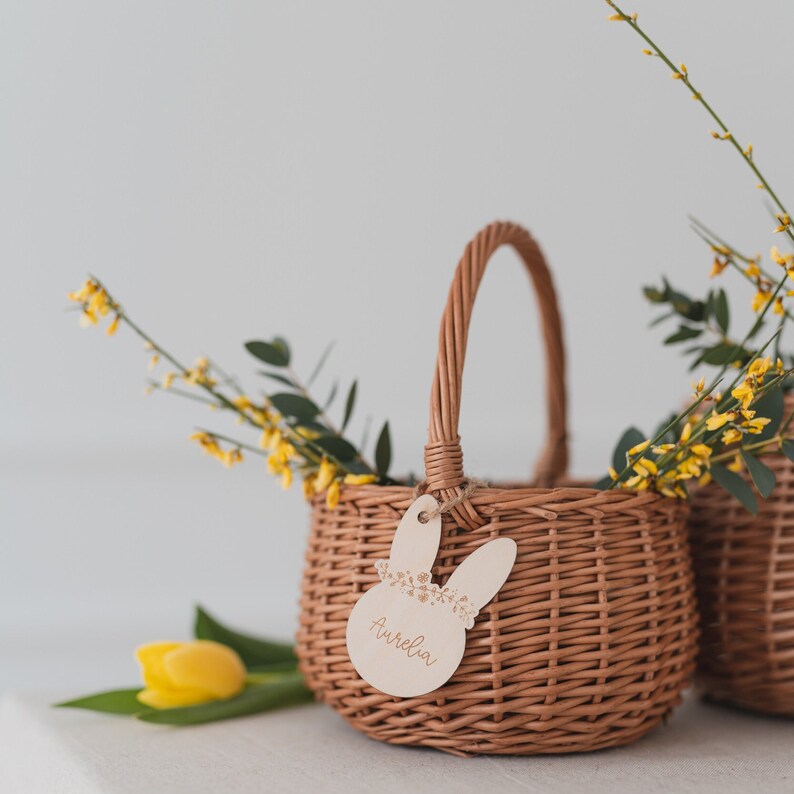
<point>443,454</point>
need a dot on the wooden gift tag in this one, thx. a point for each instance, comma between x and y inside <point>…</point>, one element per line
<point>406,635</point>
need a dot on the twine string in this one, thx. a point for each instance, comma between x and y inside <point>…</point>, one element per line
<point>472,484</point>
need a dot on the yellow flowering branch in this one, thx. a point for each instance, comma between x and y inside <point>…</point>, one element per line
<point>285,441</point>
<point>681,74</point>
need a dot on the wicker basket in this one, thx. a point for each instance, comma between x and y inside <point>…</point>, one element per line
<point>592,638</point>
<point>745,583</point>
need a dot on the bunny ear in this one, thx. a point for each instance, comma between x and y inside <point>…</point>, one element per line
<point>415,544</point>
<point>484,571</point>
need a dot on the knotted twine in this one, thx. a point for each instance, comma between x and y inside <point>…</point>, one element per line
<point>472,484</point>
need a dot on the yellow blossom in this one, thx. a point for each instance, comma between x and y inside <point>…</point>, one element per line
<point>168,379</point>
<point>153,362</point>
<point>114,326</point>
<point>308,486</point>
<point>718,266</point>
<point>639,447</point>
<point>360,479</point>
<point>761,298</point>
<point>759,367</point>
<point>325,475</point>
<point>784,260</point>
<point>705,478</point>
<point>613,475</point>
<point>756,426</point>
<point>752,269</point>
<point>778,307</point>
<point>736,465</point>
<point>784,222</point>
<point>186,673</point>
<point>286,478</point>
<point>685,433</point>
<point>230,457</point>
<point>332,497</point>
<point>637,483</point>
<point>716,421</point>
<point>87,289</point>
<point>731,435</point>
<point>198,374</point>
<point>645,467</point>
<point>88,318</point>
<point>242,402</point>
<point>702,451</point>
<point>270,438</point>
<point>662,448</point>
<point>744,393</point>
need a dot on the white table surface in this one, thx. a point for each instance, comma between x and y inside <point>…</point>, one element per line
<point>703,748</point>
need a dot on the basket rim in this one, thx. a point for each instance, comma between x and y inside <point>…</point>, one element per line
<point>560,498</point>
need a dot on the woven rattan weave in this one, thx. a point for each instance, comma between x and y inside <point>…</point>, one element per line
<point>745,582</point>
<point>593,637</point>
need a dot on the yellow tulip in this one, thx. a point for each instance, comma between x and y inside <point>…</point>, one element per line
<point>185,673</point>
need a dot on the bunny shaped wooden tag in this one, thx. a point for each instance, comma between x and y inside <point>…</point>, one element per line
<point>406,635</point>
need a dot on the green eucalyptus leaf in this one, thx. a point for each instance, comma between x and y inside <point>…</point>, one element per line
<point>721,354</point>
<point>284,690</point>
<point>383,451</point>
<point>320,364</point>
<point>253,651</point>
<point>331,395</point>
<point>629,439</point>
<point>280,343</point>
<point>117,701</point>
<point>660,319</point>
<point>721,312</point>
<point>763,477</point>
<point>734,485</point>
<point>350,403</point>
<point>788,449</point>
<point>603,483</point>
<point>337,447</point>
<point>295,406</point>
<point>683,333</point>
<point>275,353</point>
<point>277,376</point>
<point>655,295</point>
<point>770,405</point>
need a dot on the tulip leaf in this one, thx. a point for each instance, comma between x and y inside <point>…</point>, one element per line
<point>721,313</point>
<point>117,701</point>
<point>275,353</point>
<point>295,405</point>
<point>383,451</point>
<point>253,651</point>
<point>350,403</point>
<point>337,447</point>
<point>734,485</point>
<point>629,439</point>
<point>283,690</point>
<point>763,477</point>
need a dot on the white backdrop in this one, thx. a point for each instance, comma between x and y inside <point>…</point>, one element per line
<point>238,170</point>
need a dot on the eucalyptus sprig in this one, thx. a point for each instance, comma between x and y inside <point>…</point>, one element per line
<point>296,432</point>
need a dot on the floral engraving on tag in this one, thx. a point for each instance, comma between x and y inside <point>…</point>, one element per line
<point>419,586</point>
